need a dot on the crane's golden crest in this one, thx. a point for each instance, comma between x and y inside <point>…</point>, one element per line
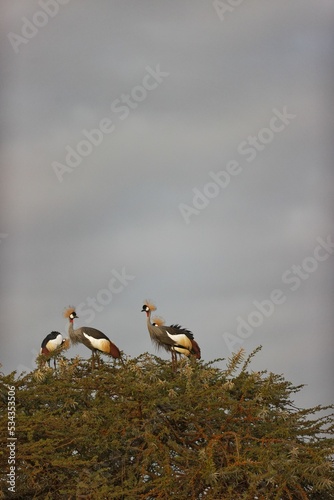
<point>158,320</point>
<point>150,305</point>
<point>68,311</point>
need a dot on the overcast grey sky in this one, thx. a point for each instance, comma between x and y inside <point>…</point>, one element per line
<point>179,151</point>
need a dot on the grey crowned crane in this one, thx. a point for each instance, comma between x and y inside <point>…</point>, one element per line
<point>173,338</point>
<point>53,342</point>
<point>95,340</point>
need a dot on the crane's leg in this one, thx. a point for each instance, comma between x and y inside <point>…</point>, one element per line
<point>173,361</point>
<point>55,363</point>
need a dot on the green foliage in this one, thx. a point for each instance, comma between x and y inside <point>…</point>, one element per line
<point>142,431</point>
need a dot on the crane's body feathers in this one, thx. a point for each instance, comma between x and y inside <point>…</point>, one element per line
<point>101,344</point>
<point>179,329</point>
<point>173,338</point>
<point>92,338</point>
<point>53,341</point>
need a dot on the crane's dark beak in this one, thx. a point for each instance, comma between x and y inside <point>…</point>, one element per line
<point>143,309</point>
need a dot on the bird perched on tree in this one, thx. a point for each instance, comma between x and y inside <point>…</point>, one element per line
<point>173,338</point>
<point>53,342</point>
<point>195,349</point>
<point>95,340</point>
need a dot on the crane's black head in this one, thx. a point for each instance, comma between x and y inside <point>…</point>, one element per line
<point>70,313</point>
<point>148,307</point>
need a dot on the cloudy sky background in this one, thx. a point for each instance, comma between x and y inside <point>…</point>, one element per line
<point>119,209</point>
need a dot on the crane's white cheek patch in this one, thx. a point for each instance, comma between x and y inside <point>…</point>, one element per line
<point>100,344</point>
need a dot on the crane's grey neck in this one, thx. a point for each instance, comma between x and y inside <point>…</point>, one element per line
<point>74,337</point>
<point>153,331</point>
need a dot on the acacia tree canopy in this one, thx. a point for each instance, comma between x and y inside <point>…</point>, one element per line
<point>141,431</point>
